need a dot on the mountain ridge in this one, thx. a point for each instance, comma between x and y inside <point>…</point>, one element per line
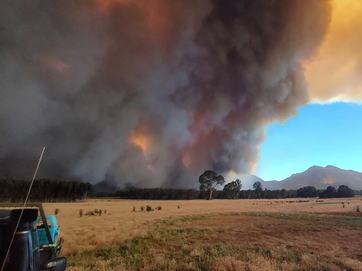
<point>320,177</point>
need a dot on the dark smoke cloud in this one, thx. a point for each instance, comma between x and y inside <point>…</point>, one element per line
<point>199,80</point>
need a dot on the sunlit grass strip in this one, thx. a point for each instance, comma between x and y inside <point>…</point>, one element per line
<point>354,221</point>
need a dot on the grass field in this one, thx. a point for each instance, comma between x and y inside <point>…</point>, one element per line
<point>212,235</point>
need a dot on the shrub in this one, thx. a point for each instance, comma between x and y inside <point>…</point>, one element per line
<point>80,212</point>
<point>358,209</point>
<point>56,211</point>
<point>96,211</point>
<point>134,208</point>
<point>90,213</point>
<point>100,212</point>
<point>159,208</point>
<point>105,211</point>
<point>149,208</point>
<point>142,208</point>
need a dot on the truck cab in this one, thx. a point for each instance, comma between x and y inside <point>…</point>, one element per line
<point>35,246</point>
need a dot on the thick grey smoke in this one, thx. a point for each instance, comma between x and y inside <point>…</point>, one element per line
<point>149,92</point>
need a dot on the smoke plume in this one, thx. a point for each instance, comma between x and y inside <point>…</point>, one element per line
<point>335,72</point>
<point>149,92</point>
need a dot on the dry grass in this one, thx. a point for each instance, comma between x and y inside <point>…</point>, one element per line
<point>212,235</point>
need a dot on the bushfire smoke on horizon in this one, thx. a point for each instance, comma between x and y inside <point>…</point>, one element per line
<point>149,93</point>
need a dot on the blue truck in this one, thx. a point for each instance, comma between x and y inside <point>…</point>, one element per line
<point>34,239</point>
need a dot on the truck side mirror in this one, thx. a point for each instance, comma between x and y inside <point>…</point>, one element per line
<point>58,264</point>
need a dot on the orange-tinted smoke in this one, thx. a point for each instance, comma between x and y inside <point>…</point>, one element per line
<point>54,63</point>
<point>104,4</point>
<point>335,73</point>
<point>186,160</point>
<point>139,138</point>
<point>157,15</point>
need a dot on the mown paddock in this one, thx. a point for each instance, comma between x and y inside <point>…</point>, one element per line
<point>120,223</point>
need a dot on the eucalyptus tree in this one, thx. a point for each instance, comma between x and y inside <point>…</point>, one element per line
<point>209,180</point>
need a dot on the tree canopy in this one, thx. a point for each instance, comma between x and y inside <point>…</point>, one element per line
<point>258,188</point>
<point>232,189</point>
<point>209,180</point>
<point>307,192</point>
<point>330,192</point>
<point>344,192</point>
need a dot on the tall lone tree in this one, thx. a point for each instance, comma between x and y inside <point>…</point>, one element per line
<point>258,189</point>
<point>209,180</point>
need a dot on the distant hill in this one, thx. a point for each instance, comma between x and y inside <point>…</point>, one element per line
<point>320,177</point>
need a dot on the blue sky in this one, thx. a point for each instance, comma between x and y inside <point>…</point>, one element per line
<point>322,134</point>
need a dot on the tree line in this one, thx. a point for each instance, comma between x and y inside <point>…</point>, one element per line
<point>229,192</point>
<point>52,190</point>
<point>160,193</point>
<point>210,179</point>
<point>43,190</point>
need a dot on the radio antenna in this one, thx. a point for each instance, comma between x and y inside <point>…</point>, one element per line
<point>22,210</point>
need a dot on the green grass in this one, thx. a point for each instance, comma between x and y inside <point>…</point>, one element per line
<point>135,252</point>
<point>171,245</point>
<point>138,253</point>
